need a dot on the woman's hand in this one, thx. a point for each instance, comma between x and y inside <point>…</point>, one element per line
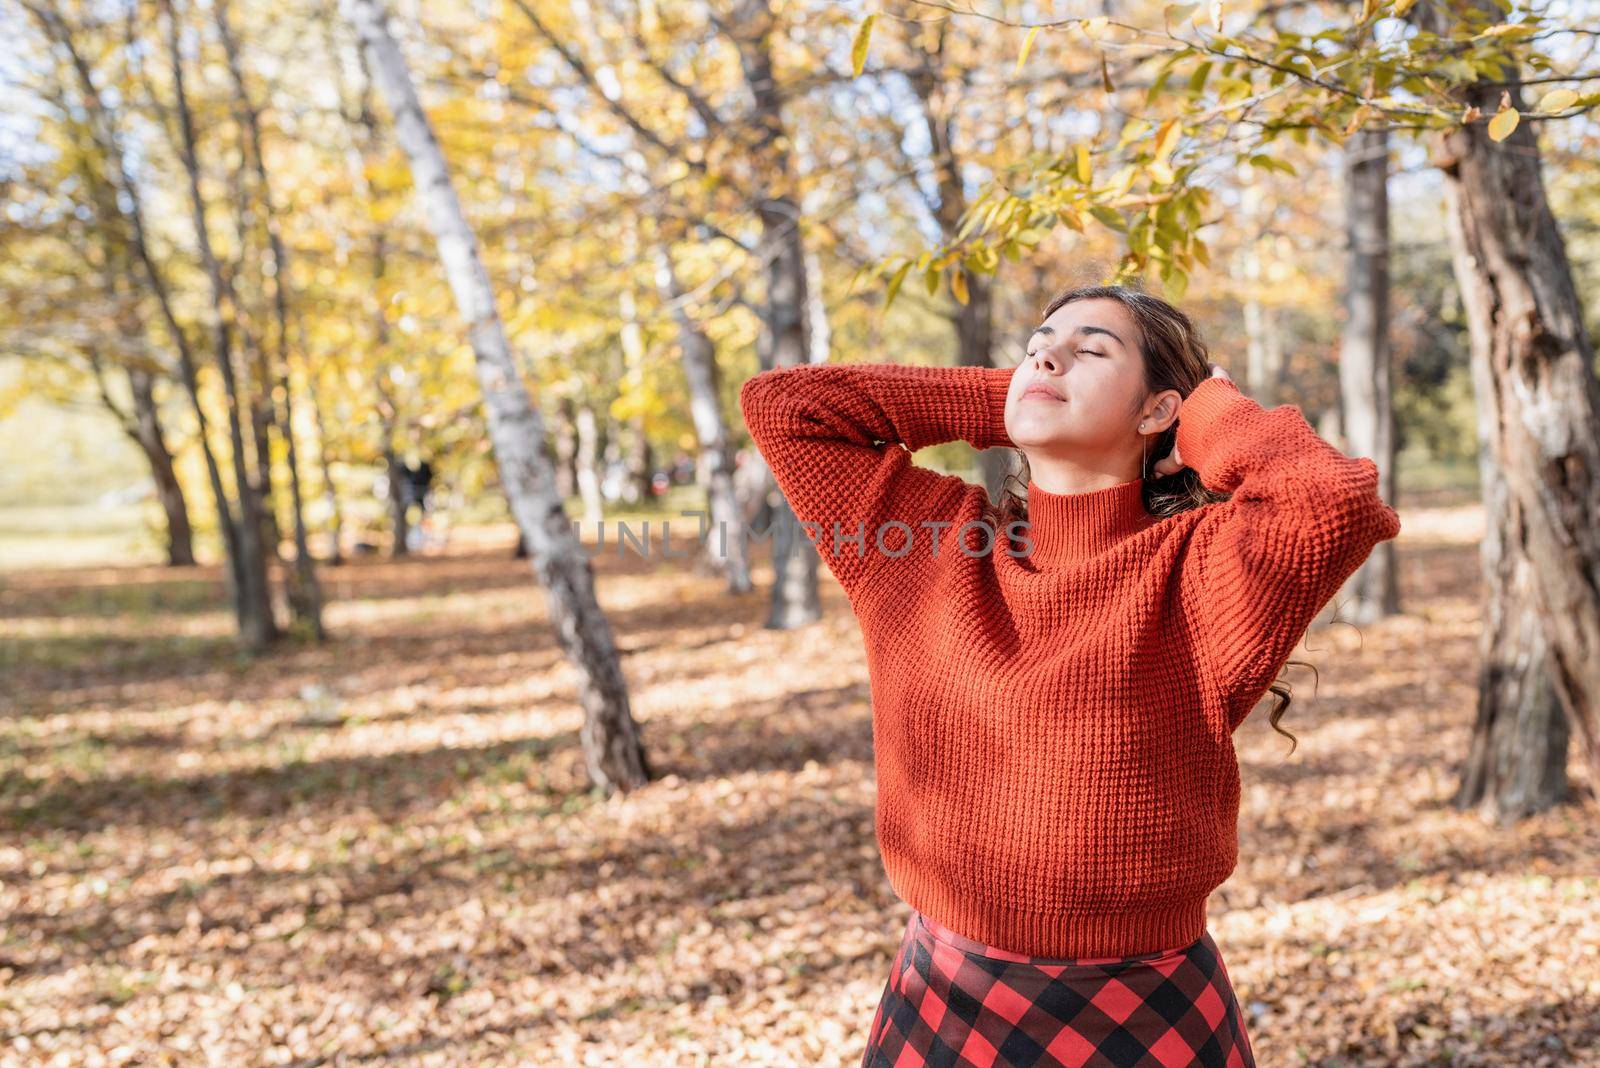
<point>1172,463</point>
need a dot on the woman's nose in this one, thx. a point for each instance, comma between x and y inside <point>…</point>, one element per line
<point>1045,360</point>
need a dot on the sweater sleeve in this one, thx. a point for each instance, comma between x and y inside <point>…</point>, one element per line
<point>839,439</point>
<point>1302,518</point>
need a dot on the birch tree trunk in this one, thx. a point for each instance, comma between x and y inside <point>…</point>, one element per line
<point>1263,364</point>
<point>610,739</point>
<point>1365,355</point>
<point>641,457</point>
<point>1538,399</point>
<point>725,545</point>
<point>588,467</point>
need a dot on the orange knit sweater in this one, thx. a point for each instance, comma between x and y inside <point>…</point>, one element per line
<point>1053,731</point>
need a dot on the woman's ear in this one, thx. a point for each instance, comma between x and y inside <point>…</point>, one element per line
<point>1165,412</point>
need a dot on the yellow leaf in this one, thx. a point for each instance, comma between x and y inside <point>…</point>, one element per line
<point>1085,165</point>
<point>1160,172</point>
<point>1178,11</point>
<point>858,50</point>
<point>1502,124</point>
<point>1167,138</point>
<point>1027,45</point>
<point>1558,100</point>
<point>1216,15</point>
<point>1402,6</point>
<point>958,284</point>
<point>974,214</point>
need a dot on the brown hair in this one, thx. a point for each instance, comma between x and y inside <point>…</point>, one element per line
<point>1174,357</point>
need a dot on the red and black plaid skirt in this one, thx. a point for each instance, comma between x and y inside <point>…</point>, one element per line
<point>953,1001</point>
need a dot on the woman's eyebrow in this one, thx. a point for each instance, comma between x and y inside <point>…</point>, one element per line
<point>1085,329</point>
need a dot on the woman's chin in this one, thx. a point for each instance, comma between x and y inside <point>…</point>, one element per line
<point>1032,433</point>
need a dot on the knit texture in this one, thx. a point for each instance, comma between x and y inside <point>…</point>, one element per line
<point>1052,718</point>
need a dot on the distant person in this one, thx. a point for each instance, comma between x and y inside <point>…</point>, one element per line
<point>418,484</point>
<point>416,488</point>
<point>1056,679</point>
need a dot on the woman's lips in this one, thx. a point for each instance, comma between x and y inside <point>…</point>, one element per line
<point>1042,391</point>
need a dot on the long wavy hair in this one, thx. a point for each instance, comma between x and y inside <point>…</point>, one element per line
<point>1175,357</point>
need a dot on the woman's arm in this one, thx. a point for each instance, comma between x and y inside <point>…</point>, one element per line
<point>1303,517</point>
<point>833,436</point>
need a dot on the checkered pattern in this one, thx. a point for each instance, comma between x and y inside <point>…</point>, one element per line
<point>951,1001</point>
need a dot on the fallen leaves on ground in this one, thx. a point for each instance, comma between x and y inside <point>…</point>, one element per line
<point>384,848</point>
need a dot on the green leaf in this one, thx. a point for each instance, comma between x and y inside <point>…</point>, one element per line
<point>858,49</point>
<point>894,283</point>
<point>930,278</point>
<point>1109,217</point>
<point>1156,86</point>
<point>854,278</point>
<point>1175,280</point>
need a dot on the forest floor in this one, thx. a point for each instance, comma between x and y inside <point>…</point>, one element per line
<point>383,848</point>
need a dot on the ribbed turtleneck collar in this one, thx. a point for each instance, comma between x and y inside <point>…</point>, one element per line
<point>1066,527</point>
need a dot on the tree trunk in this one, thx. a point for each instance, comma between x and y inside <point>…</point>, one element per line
<point>724,546</point>
<point>1538,399</point>
<point>974,320</point>
<point>257,625</point>
<point>1264,364</point>
<point>399,512</point>
<point>1517,761</point>
<point>566,449</point>
<point>640,457</point>
<point>1364,360</point>
<point>330,492</point>
<point>305,598</point>
<point>821,332</point>
<point>786,339</point>
<point>588,467</point>
<point>153,443</point>
<point>610,739</point>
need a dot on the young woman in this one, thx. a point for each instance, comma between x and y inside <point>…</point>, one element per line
<point>1056,680</point>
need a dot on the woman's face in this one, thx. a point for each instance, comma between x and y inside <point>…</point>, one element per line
<point>1078,394</point>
